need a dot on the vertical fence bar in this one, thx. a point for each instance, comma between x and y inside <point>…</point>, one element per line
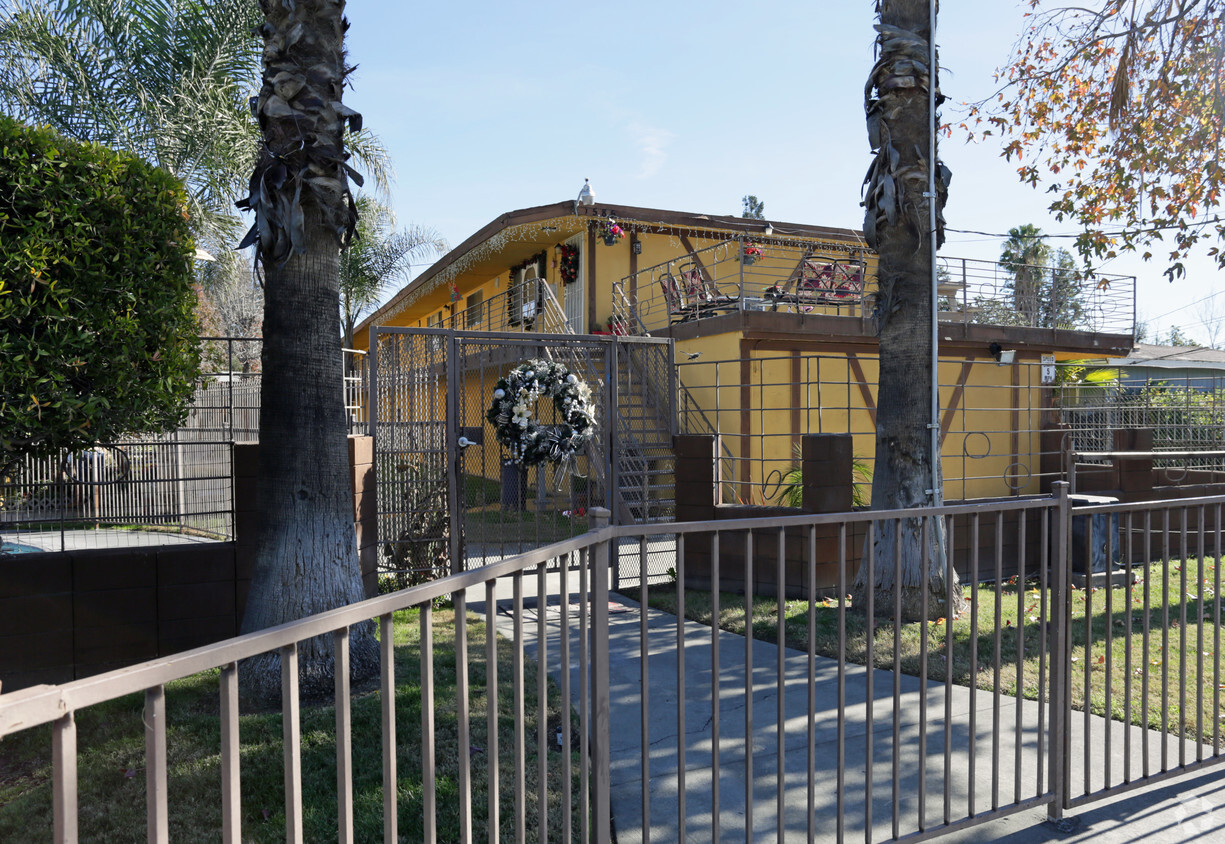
<point>896,775</point>
<point>748,685</point>
<point>1147,641</point>
<point>1108,665</point>
<point>564,679</point>
<point>810,750</point>
<point>1182,637</point>
<point>584,696</point>
<point>869,674</point>
<point>231,793</point>
<point>1057,757</point>
<point>681,807</point>
<point>542,705</point>
<point>1129,602</point>
<point>973,648</point>
<point>64,775</point>
<point>781,801</point>
<point>491,710</point>
<point>517,711</point>
<point>1216,635</point>
<point>155,765</point>
<point>925,572</point>
<point>1165,638</point>
<point>601,699</point>
<point>387,699</point>
<point>1199,638</point>
<point>840,775</point>
<point>344,740</point>
<point>1020,663</point>
<point>947,780</point>
<point>997,658</point>
<point>644,668</point>
<point>715,700</point>
<point>291,736</point>
<point>429,796</point>
<point>460,599</point>
<point>451,452</point>
<point>1044,658</point>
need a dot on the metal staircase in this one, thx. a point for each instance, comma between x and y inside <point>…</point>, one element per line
<point>643,419</point>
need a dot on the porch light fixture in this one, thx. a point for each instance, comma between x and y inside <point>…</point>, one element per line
<point>1002,356</point>
<point>769,230</point>
<point>585,196</point>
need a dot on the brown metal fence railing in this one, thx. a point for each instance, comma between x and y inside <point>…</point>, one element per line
<point>835,719</point>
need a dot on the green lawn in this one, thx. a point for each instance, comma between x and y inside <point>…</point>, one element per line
<point>1190,629</point>
<point>111,758</point>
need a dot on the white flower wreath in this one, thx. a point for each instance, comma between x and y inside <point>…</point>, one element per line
<point>512,413</point>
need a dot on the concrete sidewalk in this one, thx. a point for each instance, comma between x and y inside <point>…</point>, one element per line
<point>1179,810</point>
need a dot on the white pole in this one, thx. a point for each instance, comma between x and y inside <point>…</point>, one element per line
<point>934,425</point>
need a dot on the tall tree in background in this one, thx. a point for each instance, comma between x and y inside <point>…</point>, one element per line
<point>167,80</point>
<point>898,225</point>
<point>379,255</point>
<point>752,208</point>
<point>1026,255</point>
<point>1047,285</point>
<point>304,213</point>
<point>1117,111</point>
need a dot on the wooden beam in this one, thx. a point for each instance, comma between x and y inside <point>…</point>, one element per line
<point>796,397</point>
<point>861,380</point>
<point>950,412</point>
<point>746,415</point>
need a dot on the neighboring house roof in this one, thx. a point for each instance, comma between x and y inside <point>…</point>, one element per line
<point>518,234</point>
<point>1150,355</point>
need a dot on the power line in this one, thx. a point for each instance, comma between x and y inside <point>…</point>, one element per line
<point>1072,235</point>
<point>1189,304</point>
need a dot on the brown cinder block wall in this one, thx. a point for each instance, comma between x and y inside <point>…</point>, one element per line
<point>73,614</point>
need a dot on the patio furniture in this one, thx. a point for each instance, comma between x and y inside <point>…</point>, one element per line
<point>813,284</point>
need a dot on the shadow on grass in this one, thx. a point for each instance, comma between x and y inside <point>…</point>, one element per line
<point>111,777</point>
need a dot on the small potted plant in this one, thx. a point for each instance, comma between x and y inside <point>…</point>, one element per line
<point>617,326</point>
<point>751,253</point>
<point>610,231</point>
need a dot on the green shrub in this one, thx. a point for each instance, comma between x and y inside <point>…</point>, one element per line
<point>97,330</point>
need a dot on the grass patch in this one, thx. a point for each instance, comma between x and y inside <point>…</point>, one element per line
<point>1181,703</point>
<point>498,526</point>
<point>111,772</point>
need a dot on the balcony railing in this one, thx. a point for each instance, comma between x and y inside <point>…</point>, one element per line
<point>789,278</point>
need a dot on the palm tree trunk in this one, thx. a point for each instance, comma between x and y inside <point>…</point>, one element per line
<point>898,226</point>
<point>306,556</point>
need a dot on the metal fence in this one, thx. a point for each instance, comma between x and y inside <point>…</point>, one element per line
<point>993,419</point>
<point>1184,410</point>
<point>842,722</point>
<point>788,277</point>
<point>153,489</point>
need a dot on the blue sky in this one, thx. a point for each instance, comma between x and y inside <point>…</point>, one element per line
<point>488,107</point>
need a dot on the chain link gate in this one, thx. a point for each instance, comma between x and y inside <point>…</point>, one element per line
<point>445,506</point>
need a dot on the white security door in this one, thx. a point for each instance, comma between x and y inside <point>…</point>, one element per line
<point>575,293</point>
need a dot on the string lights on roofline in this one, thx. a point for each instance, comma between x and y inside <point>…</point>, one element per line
<point>545,230</point>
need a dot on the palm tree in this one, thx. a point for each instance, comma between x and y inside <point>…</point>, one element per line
<point>897,224</point>
<point>378,255</point>
<point>1025,255</point>
<point>168,80</point>
<point>306,557</point>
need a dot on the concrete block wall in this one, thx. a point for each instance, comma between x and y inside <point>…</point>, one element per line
<point>73,614</point>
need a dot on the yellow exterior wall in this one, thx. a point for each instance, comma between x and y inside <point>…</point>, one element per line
<point>993,430</point>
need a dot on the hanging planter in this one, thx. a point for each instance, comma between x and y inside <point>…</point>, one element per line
<point>750,254</point>
<point>610,231</point>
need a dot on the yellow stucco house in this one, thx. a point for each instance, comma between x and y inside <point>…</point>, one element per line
<point>772,331</point>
